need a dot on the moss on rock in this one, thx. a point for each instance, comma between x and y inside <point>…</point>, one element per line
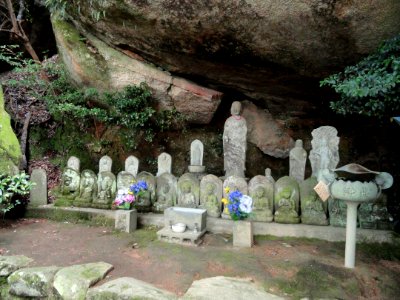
<point>10,151</point>
<point>82,60</point>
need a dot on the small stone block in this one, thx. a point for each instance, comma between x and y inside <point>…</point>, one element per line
<point>38,194</point>
<point>242,234</point>
<point>126,220</point>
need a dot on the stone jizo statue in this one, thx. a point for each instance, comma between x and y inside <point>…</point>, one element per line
<point>286,201</point>
<point>313,209</point>
<point>166,192</point>
<point>87,189</point>
<point>211,195</point>
<point>70,183</point>
<point>235,142</point>
<point>187,198</point>
<point>297,161</point>
<point>261,190</point>
<point>106,189</point>
<point>212,203</point>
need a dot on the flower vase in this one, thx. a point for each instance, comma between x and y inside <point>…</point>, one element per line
<point>243,234</point>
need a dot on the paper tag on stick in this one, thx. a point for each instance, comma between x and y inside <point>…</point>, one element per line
<point>322,190</point>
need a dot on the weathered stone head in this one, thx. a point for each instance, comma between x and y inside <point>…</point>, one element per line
<point>236,108</point>
<point>298,144</point>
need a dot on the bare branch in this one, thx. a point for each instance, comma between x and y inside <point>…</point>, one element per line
<point>3,25</point>
<point>12,15</point>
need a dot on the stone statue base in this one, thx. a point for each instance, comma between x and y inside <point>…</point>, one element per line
<point>286,219</point>
<point>315,220</point>
<point>82,203</point>
<point>101,205</point>
<point>261,216</point>
<point>64,202</point>
<point>197,169</point>
<point>142,208</point>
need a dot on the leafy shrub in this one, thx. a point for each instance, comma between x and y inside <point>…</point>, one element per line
<point>371,87</point>
<point>78,114</point>
<point>12,190</point>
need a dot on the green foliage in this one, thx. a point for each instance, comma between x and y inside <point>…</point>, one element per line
<point>62,7</point>
<point>371,87</point>
<point>11,55</point>
<point>10,186</point>
<point>128,116</point>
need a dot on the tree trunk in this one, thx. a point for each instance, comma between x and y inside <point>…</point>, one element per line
<point>24,138</point>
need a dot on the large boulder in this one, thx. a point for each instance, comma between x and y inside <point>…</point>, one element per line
<point>10,151</point>
<point>128,289</point>
<point>92,62</point>
<point>265,132</point>
<point>32,282</point>
<point>9,264</point>
<point>222,287</point>
<point>74,281</point>
<point>266,49</point>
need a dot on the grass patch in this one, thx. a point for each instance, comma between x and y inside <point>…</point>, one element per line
<point>145,236</point>
<point>377,251</point>
<point>76,217</point>
<point>318,280</point>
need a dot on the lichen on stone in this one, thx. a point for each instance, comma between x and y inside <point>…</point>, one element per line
<point>10,151</point>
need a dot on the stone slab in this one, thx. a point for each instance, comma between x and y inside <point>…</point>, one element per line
<point>74,281</point>
<point>128,289</point>
<point>227,288</point>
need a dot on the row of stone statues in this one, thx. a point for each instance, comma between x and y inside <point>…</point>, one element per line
<point>283,201</point>
<point>291,199</point>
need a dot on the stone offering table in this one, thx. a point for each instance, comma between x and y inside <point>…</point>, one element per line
<point>193,218</point>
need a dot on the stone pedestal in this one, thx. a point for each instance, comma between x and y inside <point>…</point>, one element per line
<point>243,234</point>
<point>197,169</point>
<point>126,220</point>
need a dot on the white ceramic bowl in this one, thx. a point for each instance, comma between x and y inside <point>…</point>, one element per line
<point>179,227</point>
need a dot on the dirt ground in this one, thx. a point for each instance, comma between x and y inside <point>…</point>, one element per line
<point>293,268</point>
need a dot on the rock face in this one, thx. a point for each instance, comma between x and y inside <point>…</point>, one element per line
<point>265,132</point>
<point>94,63</point>
<point>263,48</point>
<point>10,151</point>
